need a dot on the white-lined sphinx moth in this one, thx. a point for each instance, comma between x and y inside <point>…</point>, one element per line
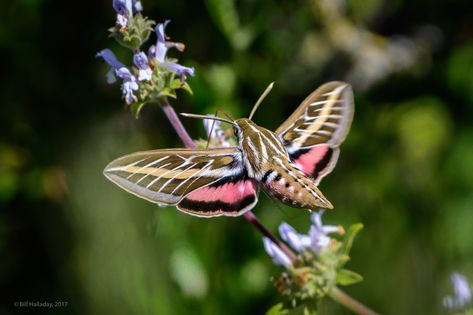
<point>288,163</point>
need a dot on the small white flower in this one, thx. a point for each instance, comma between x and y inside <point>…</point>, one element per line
<point>461,293</point>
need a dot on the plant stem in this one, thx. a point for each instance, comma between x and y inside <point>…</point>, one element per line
<point>250,217</point>
<point>344,299</point>
<point>177,124</point>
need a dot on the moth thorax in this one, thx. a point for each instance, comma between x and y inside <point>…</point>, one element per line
<point>260,146</point>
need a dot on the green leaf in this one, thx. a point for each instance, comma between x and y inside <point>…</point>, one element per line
<point>176,84</point>
<point>277,309</point>
<point>136,108</point>
<point>186,87</point>
<point>167,92</point>
<point>348,277</point>
<point>353,230</point>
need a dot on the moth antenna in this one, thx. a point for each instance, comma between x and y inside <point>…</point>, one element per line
<point>231,122</point>
<point>260,100</point>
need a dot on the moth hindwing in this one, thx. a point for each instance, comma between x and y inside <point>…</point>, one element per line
<point>288,163</point>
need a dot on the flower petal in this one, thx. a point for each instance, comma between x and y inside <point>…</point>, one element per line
<point>122,20</point>
<point>141,62</point>
<point>318,239</point>
<point>127,89</point>
<point>110,58</point>
<point>137,6</point>
<point>278,256</point>
<point>461,289</point>
<point>161,47</point>
<point>290,236</point>
<point>179,69</point>
<point>316,218</point>
<point>111,76</point>
<point>125,74</point>
<point>119,6</point>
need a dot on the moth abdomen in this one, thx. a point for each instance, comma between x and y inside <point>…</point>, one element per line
<point>293,188</point>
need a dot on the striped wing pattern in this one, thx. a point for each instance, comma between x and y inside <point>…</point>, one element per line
<point>225,181</point>
<point>313,133</point>
<point>168,176</point>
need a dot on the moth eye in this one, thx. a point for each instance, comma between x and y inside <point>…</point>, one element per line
<point>235,131</point>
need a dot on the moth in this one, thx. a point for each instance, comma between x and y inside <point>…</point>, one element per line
<point>287,164</point>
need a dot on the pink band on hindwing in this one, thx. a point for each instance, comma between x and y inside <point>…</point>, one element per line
<point>229,198</point>
<point>308,161</point>
<point>227,193</point>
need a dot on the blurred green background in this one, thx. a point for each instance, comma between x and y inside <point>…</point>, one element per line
<point>405,171</point>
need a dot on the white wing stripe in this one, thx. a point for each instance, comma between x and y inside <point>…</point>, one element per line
<point>321,109</point>
<point>162,166</point>
<point>323,102</point>
<point>167,172</point>
<point>196,175</point>
<point>147,165</point>
<point>309,119</point>
<point>177,174</point>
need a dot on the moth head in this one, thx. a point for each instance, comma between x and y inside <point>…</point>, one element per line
<point>235,130</point>
<point>240,126</point>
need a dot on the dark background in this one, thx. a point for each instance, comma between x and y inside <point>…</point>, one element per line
<point>405,171</point>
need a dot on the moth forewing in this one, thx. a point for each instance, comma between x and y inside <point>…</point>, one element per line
<point>313,133</point>
<point>347,110</point>
<point>167,176</point>
<point>330,105</point>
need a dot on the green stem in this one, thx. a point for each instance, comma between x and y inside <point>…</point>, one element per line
<point>344,299</point>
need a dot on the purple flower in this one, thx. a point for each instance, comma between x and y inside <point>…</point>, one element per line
<point>125,9</point>
<point>318,232</point>
<point>137,6</point>
<point>120,6</point>
<point>118,69</point>
<point>461,292</point>
<point>158,52</point>
<point>278,256</point>
<point>141,62</point>
<point>316,240</point>
<point>181,71</point>
<point>297,241</point>
<point>129,85</point>
<point>110,58</point>
<point>161,46</point>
